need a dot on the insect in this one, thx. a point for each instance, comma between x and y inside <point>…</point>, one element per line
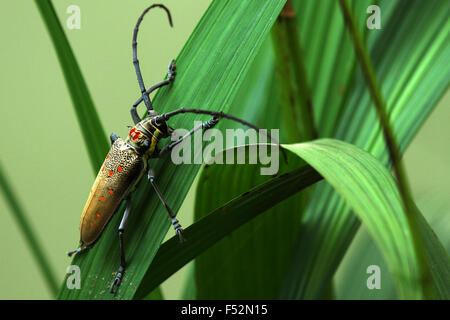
<point>127,162</point>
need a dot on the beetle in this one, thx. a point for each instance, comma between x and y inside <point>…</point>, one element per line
<point>127,161</point>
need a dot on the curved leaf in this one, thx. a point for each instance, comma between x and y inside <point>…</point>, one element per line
<point>29,233</point>
<point>371,192</point>
<point>88,120</point>
<point>413,75</point>
<point>352,275</point>
<point>277,228</point>
<point>226,221</point>
<point>364,183</point>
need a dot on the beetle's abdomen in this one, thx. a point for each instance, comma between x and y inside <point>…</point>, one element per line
<point>119,172</point>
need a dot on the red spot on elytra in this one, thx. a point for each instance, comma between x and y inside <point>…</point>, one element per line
<point>101,198</point>
<point>111,192</point>
<point>98,215</point>
<point>107,156</point>
<point>91,224</point>
<point>136,135</point>
<point>119,168</point>
<point>111,173</point>
<point>131,131</point>
<point>103,169</point>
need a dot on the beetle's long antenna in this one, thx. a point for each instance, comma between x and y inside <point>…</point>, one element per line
<point>167,116</point>
<point>135,59</point>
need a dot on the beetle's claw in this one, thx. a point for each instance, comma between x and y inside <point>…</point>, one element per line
<point>117,281</point>
<point>70,253</point>
<point>172,73</point>
<point>179,232</point>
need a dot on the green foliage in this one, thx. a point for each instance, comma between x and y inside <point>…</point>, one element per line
<point>28,232</point>
<point>413,76</point>
<point>222,221</point>
<point>265,237</point>
<point>88,120</point>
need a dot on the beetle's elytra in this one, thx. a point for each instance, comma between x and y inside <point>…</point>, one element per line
<point>127,161</point>
<point>120,170</point>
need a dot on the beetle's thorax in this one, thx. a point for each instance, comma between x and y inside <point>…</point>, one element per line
<point>143,137</point>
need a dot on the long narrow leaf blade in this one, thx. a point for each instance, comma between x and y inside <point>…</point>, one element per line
<point>364,183</point>
<point>270,247</point>
<point>221,222</point>
<point>88,120</point>
<point>413,75</point>
<point>29,233</point>
<point>371,192</point>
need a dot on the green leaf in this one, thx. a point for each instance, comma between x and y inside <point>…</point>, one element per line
<point>278,227</point>
<point>413,75</point>
<point>221,222</point>
<point>29,233</point>
<point>351,276</point>
<point>210,69</point>
<point>189,290</point>
<point>388,134</point>
<point>88,120</point>
<point>296,101</point>
<point>364,183</point>
<point>371,192</point>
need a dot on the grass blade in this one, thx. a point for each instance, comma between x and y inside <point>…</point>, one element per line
<point>352,276</point>
<point>277,228</point>
<point>371,191</point>
<point>29,233</point>
<point>297,105</point>
<point>221,222</point>
<point>392,147</point>
<point>413,76</point>
<point>88,120</point>
<point>358,177</point>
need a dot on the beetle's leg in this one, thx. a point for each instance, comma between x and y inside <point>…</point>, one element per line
<point>70,253</point>
<point>113,137</point>
<point>133,111</point>
<point>121,230</point>
<point>170,78</point>
<point>205,125</point>
<point>175,223</point>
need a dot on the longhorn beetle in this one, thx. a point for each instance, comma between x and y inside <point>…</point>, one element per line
<point>126,162</point>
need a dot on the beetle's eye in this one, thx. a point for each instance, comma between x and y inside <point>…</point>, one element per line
<point>158,121</point>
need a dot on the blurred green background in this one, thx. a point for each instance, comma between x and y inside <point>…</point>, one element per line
<point>42,149</point>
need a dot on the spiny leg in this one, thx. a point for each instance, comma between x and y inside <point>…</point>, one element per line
<point>205,125</point>
<point>170,78</point>
<point>175,223</point>
<point>167,116</point>
<point>117,281</point>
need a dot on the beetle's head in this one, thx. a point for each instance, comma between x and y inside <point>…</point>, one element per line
<point>161,124</point>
